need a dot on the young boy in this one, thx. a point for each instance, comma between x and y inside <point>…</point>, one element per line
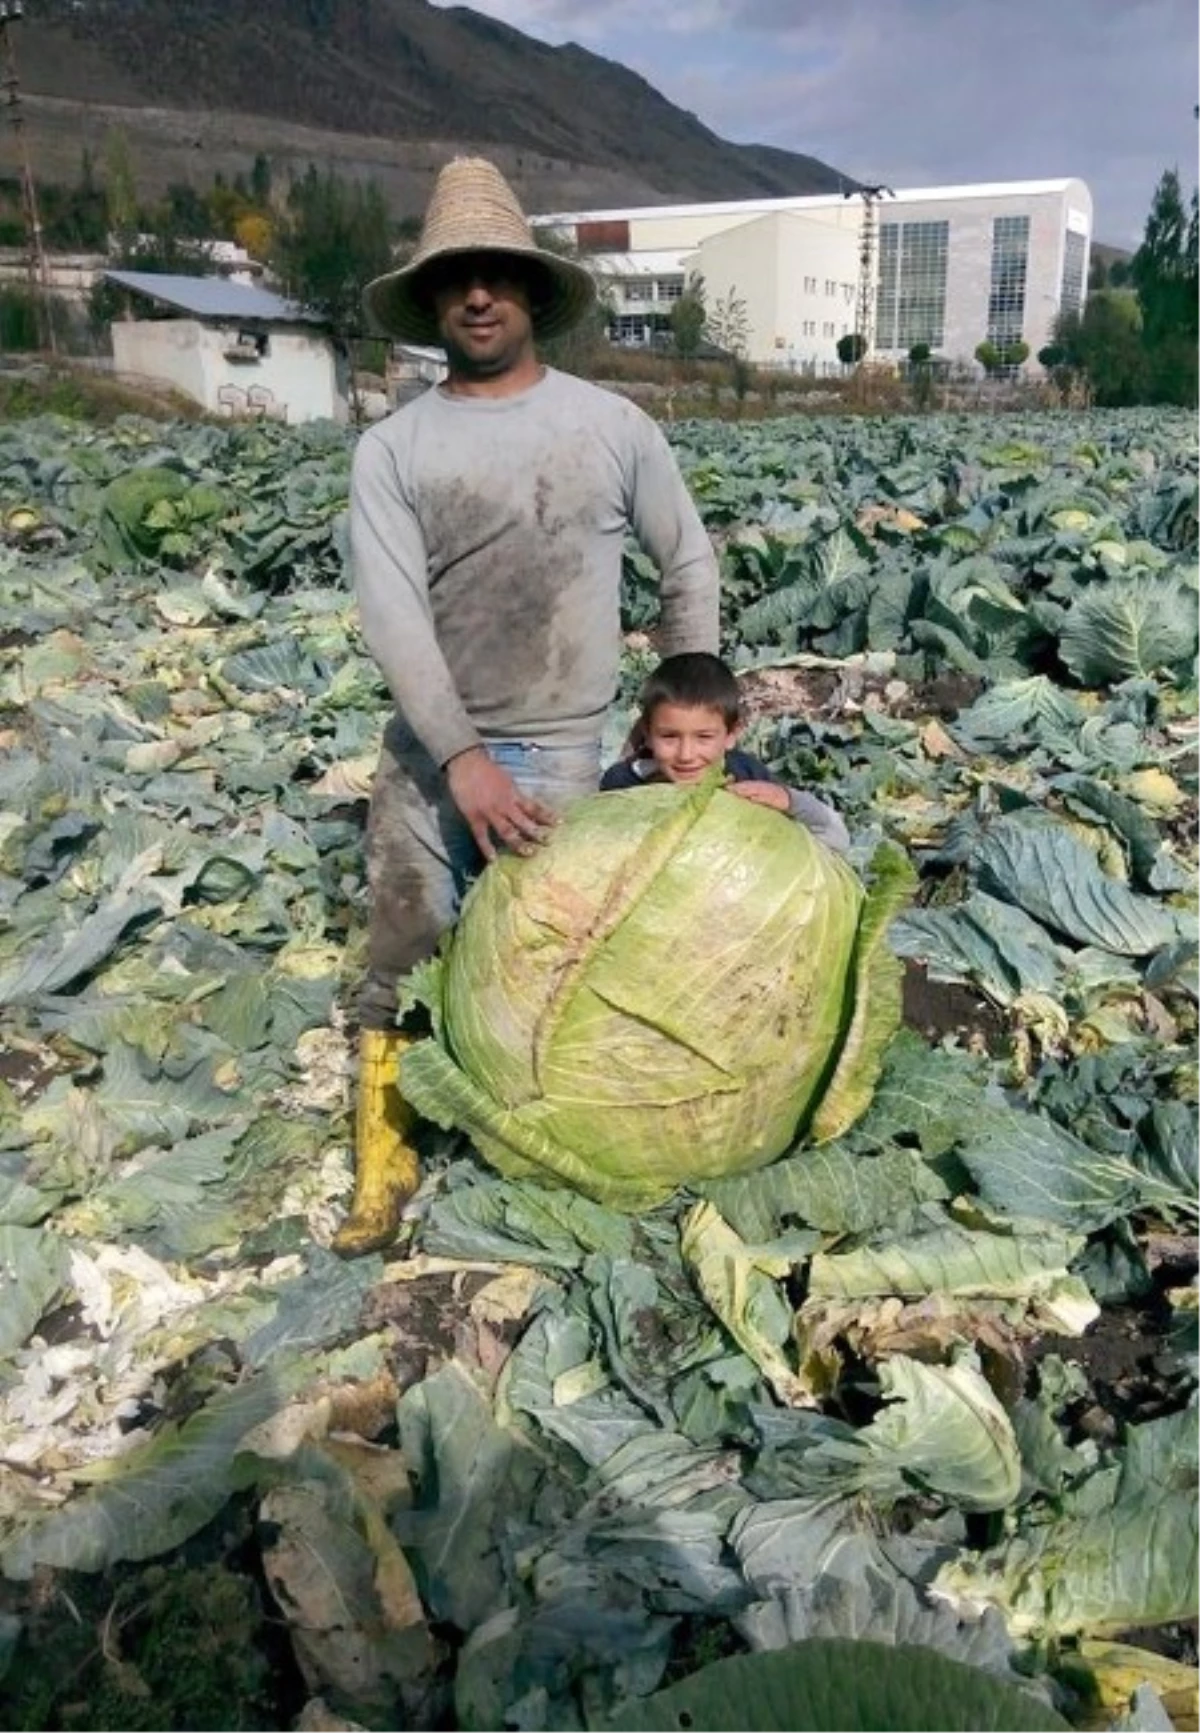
<point>690,718</point>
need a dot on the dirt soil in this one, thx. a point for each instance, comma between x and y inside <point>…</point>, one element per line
<point>936,1009</point>
<point>787,692</point>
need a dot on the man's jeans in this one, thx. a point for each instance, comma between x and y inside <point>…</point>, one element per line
<point>421,856</point>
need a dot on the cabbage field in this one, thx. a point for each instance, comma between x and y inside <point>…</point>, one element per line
<point>896,1432</point>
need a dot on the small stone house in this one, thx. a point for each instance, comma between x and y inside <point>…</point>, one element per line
<point>234,348</point>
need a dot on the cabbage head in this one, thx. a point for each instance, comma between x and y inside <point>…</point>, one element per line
<point>670,990</point>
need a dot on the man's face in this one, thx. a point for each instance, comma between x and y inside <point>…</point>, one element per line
<point>483,312</point>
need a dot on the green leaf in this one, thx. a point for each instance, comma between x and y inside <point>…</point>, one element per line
<point>736,1280</point>
<point>1148,859</point>
<point>1130,1565</point>
<point>1160,1454</point>
<point>984,941</point>
<point>1005,713</point>
<point>147,1501</point>
<point>554,1378</point>
<point>877,979</point>
<point>1026,1166</point>
<point>950,1259</point>
<point>281,665</point>
<point>10,1635</point>
<point>474,1481</point>
<point>525,1223</point>
<point>34,1265</point>
<point>1130,628</point>
<point>835,1684</point>
<point>941,1431</point>
<point>835,1188</point>
<point>60,962</point>
<point>1038,865</point>
<point>146,1107</point>
<point>160,1198</point>
<point>930,1093</point>
<point>315,1308</point>
<point>827,1574</point>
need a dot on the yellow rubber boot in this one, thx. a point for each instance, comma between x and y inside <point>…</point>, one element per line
<point>386,1173</point>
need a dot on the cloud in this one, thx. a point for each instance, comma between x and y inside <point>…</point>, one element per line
<point>922,92</point>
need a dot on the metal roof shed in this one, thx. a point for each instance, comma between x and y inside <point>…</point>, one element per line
<point>234,348</point>
<point>215,298</point>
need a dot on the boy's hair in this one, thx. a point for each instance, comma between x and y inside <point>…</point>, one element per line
<point>694,678</point>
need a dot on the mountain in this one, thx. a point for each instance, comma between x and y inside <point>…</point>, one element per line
<point>386,87</point>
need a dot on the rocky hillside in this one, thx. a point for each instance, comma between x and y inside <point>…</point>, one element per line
<point>389,87</point>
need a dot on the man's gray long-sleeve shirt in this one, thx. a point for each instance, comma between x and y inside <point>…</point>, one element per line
<point>486,535</point>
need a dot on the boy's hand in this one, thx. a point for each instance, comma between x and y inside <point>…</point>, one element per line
<point>494,806</point>
<point>763,794</point>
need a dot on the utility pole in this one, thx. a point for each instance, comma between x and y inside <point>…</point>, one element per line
<point>11,12</point>
<point>868,256</point>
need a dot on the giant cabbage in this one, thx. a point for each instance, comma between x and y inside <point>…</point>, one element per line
<point>670,990</point>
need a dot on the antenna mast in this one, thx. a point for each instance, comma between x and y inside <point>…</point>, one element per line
<point>868,259</point>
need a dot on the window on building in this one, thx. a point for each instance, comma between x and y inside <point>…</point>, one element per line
<point>910,300</point>
<point>249,346</point>
<point>830,286</point>
<point>828,329</point>
<point>631,328</point>
<point>848,294</point>
<point>639,289</point>
<point>1075,248</point>
<point>810,285</point>
<point>1006,292</point>
<point>669,288</point>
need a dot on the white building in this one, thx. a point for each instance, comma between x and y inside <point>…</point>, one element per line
<point>233,348</point>
<point>411,369</point>
<point>954,266</point>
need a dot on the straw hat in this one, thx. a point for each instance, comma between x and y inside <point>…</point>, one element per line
<point>474,210</point>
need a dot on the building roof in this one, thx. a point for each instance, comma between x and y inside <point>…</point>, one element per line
<point>215,298</point>
<point>647,264</point>
<point>807,201</point>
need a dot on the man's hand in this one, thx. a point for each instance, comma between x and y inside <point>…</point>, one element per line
<point>763,794</point>
<point>494,807</point>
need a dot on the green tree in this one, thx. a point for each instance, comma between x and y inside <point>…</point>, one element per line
<point>328,243</point>
<point>186,212</point>
<point>920,375</point>
<point>1192,266</point>
<point>1160,268</point>
<point>728,323</point>
<point>1120,274</point>
<point>851,348</point>
<point>260,181</point>
<point>1105,344</point>
<point>688,318</point>
<point>120,187</point>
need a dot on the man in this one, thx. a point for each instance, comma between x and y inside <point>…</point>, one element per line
<point>487,520</point>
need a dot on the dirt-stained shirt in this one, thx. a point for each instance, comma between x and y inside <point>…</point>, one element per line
<point>486,537</point>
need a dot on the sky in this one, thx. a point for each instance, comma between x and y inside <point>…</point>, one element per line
<point>922,92</point>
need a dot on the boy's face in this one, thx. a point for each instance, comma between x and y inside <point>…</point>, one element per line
<point>684,739</point>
